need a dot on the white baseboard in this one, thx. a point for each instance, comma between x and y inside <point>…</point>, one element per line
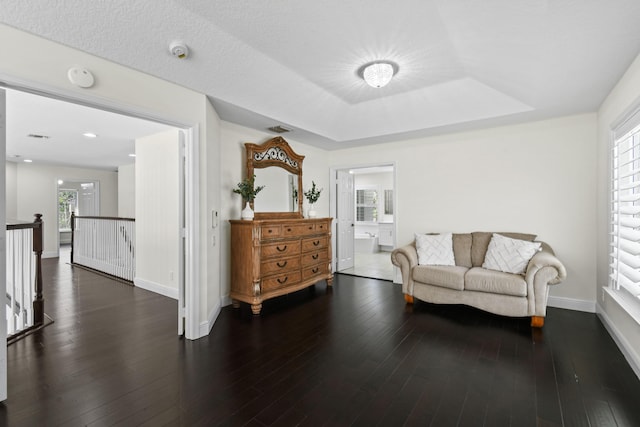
<point>572,304</point>
<point>226,300</point>
<point>205,327</point>
<point>50,254</point>
<point>623,344</point>
<point>156,287</point>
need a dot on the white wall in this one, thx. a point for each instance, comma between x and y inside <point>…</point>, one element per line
<point>314,168</point>
<point>534,178</point>
<point>41,64</point>
<point>211,244</point>
<point>37,192</point>
<point>11,186</point>
<point>157,208</point>
<point>127,191</point>
<point>624,96</point>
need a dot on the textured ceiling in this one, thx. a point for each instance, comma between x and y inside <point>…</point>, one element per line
<point>462,63</point>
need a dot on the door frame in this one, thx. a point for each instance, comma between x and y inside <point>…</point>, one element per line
<point>333,201</point>
<point>191,177</point>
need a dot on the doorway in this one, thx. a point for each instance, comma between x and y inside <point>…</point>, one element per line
<point>89,197</point>
<point>364,209</point>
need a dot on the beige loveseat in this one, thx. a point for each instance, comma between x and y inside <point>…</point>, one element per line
<point>466,282</point>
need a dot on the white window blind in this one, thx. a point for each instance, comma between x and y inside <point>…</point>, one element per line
<point>625,207</point>
<point>366,205</point>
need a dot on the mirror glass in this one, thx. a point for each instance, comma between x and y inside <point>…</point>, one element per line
<point>280,192</point>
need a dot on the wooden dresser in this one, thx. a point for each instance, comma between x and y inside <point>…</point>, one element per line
<point>273,257</point>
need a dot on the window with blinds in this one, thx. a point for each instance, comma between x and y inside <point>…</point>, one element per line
<point>625,207</point>
<point>366,205</point>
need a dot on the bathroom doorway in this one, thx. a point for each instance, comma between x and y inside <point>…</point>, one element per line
<point>364,208</point>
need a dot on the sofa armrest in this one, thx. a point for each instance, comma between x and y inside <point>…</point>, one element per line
<point>543,270</point>
<point>546,258</point>
<point>405,257</point>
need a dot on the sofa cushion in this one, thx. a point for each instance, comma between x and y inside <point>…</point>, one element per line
<point>451,277</point>
<point>481,241</point>
<point>509,255</point>
<point>435,249</point>
<point>495,282</point>
<point>462,249</point>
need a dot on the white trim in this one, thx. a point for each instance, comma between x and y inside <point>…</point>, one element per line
<point>156,287</point>
<point>205,327</point>
<point>225,300</point>
<point>50,254</point>
<point>3,250</point>
<point>572,304</point>
<point>192,237</point>
<point>623,344</point>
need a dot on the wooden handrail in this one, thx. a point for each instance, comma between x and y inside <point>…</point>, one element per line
<point>38,303</point>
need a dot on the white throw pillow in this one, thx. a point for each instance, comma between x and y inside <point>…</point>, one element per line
<point>509,255</point>
<point>436,249</point>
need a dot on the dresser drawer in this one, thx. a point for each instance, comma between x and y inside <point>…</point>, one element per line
<point>316,270</point>
<point>269,231</point>
<point>280,249</point>
<point>280,281</point>
<point>279,265</point>
<point>314,257</point>
<point>298,230</point>
<point>314,243</point>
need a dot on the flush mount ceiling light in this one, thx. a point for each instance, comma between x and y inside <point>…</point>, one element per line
<point>378,74</point>
<point>90,135</point>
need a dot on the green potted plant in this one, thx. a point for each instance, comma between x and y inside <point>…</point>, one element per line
<point>312,196</point>
<point>248,191</point>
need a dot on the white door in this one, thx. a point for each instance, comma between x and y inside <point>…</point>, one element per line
<point>345,220</point>
<point>3,249</point>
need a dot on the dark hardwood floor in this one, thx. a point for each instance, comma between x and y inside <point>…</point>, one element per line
<point>351,355</point>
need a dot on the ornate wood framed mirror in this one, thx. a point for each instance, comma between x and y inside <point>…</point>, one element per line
<point>279,169</point>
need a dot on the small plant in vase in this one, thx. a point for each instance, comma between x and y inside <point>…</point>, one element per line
<point>312,196</point>
<point>248,191</point>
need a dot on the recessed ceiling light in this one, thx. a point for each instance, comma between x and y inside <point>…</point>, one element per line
<point>132,155</point>
<point>90,135</point>
<point>60,182</point>
<point>28,160</point>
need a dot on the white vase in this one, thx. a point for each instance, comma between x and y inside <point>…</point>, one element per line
<point>311,213</point>
<point>247,212</point>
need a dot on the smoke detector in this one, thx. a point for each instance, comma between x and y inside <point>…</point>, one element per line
<point>179,50</point>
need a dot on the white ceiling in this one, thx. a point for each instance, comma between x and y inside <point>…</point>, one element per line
<point>462,63</point>
<point>64,124</point>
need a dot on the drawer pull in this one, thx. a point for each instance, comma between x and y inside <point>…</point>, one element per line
<point>311,227</point>
<point>282,281</point>
<point>270,231</point>
<point>281,250</point>
<point>315,256</point>
<point>283,264</point>
<point>288,229</point>
<point>315,270</point>
<point>316,243</point>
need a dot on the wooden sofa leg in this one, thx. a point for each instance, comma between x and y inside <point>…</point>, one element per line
<point>408,298</point>
<point>537,321</point>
